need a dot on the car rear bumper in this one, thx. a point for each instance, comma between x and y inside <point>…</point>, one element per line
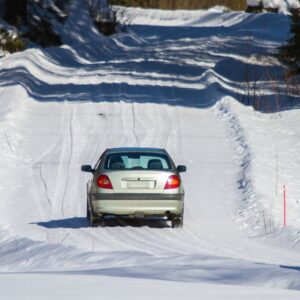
<point>137,204</point>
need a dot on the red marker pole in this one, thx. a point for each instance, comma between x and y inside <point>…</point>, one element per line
<point>284,206</point>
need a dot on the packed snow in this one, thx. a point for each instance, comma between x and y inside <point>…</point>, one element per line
<point>172,80</point>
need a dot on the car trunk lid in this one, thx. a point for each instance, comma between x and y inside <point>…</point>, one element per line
<point>140,182</point>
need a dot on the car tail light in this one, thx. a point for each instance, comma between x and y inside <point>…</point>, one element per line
<point>173,182</point>
<point>104,182</point>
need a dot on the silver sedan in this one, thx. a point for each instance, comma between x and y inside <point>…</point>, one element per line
<point>135,183</point>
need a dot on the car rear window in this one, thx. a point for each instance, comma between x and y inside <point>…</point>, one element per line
<point>137,161</point>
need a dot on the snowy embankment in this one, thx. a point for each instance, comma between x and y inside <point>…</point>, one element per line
<point>281,6</point>
<point>157,85</point>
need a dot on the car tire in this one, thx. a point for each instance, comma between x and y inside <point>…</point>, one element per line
<point>102,222</point>
<point>177,223</point>
<point>93,222</point>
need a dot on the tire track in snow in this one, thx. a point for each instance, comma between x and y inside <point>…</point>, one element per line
<point>64,161</point>
<point>128,123</point>
<point>12,149</point>
<point>159,128</point>
<point>174,139</point>
<point>89,131</point>
<point>103,129</point>
<point>165,120</point>
<point>41,186</point>
<point>55,144</point>
<point>40,181</point>
<point>44,184</point>
<point>119,135</point>
<point>69,159</point>
<point>145,125</point>
<point>134,124</point>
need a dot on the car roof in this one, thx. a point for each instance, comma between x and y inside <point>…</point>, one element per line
<point>136,149</point>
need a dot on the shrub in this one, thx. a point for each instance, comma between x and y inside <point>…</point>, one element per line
<point>9,43</point>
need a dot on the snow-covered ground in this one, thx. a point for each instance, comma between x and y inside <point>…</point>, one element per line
<point>170,81</point>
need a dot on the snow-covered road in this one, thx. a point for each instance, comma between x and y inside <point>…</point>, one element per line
<point>165,86</point>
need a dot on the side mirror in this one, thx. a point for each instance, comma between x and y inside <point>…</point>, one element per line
<point>181,169</point>
<point>87,168</point>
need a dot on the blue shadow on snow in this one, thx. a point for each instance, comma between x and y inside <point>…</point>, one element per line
<point>82,222</point>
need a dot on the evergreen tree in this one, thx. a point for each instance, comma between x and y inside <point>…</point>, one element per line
<point>15,11</point>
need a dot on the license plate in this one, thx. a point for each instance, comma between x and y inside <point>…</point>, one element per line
<point>139,184</point>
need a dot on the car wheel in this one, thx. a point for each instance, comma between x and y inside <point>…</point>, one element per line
<point>93,222</point>
<point>177,223</point>
<point>102,222</point>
